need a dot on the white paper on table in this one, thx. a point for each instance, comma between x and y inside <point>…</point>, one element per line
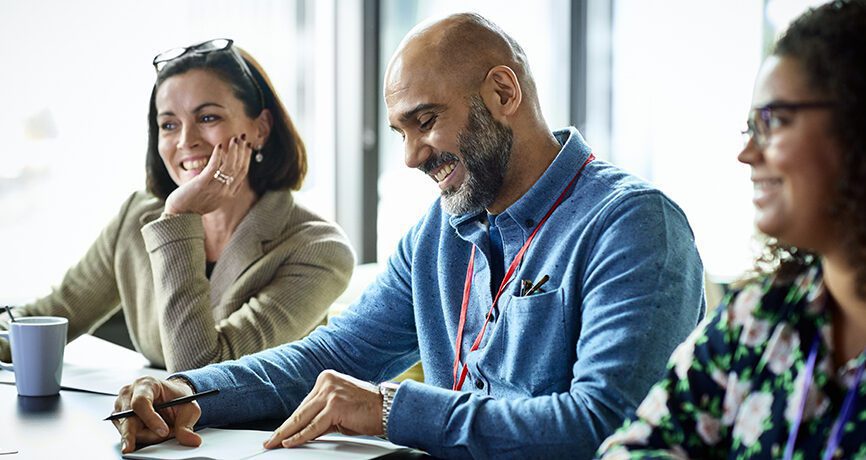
<point>98,366</point>
<point>219,444</point>
<point>102,380</point>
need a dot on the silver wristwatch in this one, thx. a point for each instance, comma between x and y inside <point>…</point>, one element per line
<point>387,390</point>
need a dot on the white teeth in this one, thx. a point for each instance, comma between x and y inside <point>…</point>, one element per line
<point>767,183</point>
<point>444,172</point>
<point>193,164</point>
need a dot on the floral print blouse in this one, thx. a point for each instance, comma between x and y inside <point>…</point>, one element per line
<point>733,388</point>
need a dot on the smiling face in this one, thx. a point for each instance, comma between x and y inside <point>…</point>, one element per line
<point>450,137</point>
<point>196,111</point>
<point>795,174</point>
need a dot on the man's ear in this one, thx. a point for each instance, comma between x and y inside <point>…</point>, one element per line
<point>263,123</point>
<point>501,91</point>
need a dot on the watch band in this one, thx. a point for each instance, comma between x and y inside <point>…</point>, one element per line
<point>387,390</point>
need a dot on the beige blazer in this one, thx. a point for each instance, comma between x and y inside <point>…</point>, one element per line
<point>273,282</point>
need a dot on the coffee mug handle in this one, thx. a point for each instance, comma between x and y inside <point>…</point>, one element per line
<point>6,366</point>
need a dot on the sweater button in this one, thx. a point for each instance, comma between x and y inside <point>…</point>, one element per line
<point>479,384</point>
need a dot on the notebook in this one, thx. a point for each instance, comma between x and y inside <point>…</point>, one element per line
<point>219,444</point>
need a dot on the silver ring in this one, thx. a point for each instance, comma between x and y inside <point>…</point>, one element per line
<point>223,178</point>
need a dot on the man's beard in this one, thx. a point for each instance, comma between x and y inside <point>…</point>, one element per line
<point>486,148</point>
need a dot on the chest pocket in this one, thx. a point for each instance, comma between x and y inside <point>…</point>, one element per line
<point>535,356</point>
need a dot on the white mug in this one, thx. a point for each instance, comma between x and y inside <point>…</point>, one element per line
<point>37,353</point>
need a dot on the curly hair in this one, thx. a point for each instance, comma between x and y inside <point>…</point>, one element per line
<point>830,44</point>
<point>284,163</point>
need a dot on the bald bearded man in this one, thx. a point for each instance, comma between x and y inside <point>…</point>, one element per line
<point>543,292</point>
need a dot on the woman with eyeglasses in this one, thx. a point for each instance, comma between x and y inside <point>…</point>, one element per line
<point>215,260</point>
<point>777,370</point>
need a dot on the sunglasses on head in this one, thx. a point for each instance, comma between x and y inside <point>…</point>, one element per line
<point>206,47</point>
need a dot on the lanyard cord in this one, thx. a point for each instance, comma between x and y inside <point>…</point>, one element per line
<point>807,382</point>
<point>836,432</point>
<point>467,286</point>
<point>844,415</point>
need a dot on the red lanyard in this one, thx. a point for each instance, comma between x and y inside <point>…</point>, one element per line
<point>467,286</point>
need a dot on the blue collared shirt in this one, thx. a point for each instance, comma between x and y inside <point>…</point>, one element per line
<point>557,371</point>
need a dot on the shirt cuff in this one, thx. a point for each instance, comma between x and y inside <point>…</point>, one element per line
<point>418,414</point>
<point>207,379</point>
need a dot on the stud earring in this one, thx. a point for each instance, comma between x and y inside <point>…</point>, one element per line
<point>259,157</point>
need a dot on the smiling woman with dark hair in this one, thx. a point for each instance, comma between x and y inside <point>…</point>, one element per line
<point>777,370</point>
<point>215,260</point>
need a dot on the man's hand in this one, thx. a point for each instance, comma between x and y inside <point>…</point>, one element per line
<point>337,403</point>
<point>148,426</point>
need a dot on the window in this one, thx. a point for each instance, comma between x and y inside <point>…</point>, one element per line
<point>668,87</point>
<point>682,82</point>
<point>543,32</point>
<point>77,83</point>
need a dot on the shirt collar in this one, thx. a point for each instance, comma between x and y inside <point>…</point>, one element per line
<point>529,209</point>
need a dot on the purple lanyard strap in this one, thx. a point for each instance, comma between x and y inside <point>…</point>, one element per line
<point>844,415</point>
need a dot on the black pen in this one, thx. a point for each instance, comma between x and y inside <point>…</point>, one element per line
<point>173,402</point>
<point>9,311</point>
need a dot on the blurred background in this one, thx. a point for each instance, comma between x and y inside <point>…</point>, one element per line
<point>660,87</point>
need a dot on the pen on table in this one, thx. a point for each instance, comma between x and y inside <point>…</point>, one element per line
<point>9,311</point>
<point>538,285</point>
<point>173,402</point>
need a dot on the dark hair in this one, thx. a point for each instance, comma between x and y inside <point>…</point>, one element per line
<point>284,162</point>
<point>829,42</point>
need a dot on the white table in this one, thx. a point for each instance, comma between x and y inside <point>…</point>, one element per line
<point>69,425</point>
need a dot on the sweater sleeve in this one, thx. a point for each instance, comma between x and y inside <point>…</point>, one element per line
<point>305,280</point>
<point>373,340</point>
<point>88,292</point>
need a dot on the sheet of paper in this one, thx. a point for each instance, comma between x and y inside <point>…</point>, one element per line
<point>103,380</point>
<point>218,444</point>
<point>89,350</point>
<point>98,366</point>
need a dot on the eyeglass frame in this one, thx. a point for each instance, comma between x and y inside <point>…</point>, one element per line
<point>160,64</point>
<point>763,116</point>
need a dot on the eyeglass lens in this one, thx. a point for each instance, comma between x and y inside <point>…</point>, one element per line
<point>212,45</point>
<point>757,125</point>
